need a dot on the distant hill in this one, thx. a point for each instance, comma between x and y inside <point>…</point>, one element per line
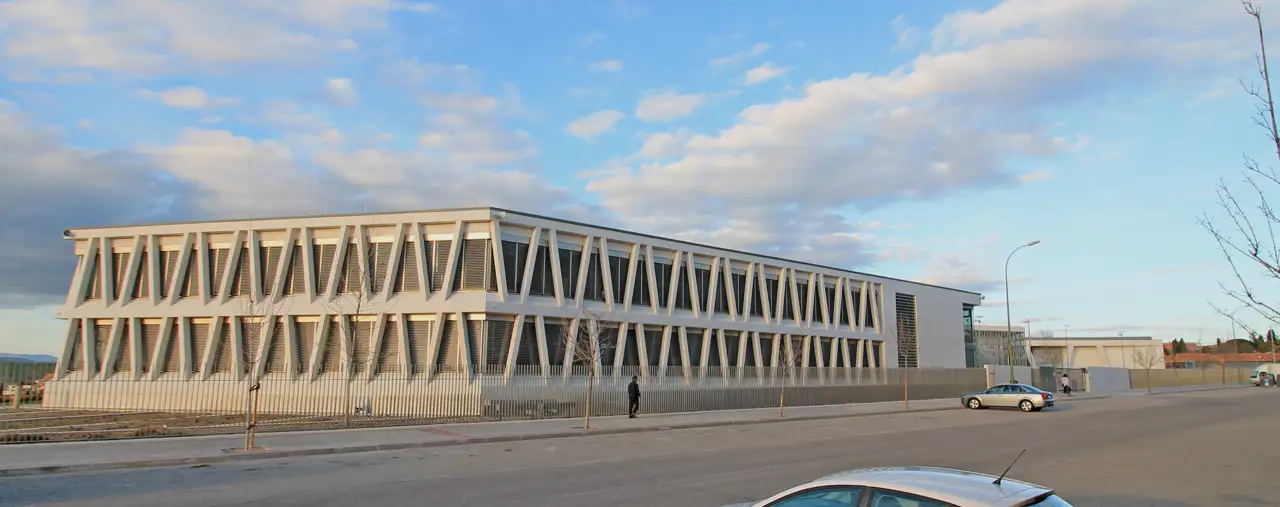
<point>27,358</point>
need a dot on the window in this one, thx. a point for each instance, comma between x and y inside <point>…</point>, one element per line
<point>831,496</point>
<point>703,276</point>
<point>884,498</point>
<point>740,291</point>
<point>618,267</point>
<point>570,261</point>
<point>802,294</point>
<point>788,311</point>
<point>722,296</point>
<point>771,293</point>
<point>594,289</point>
<point>830,292</point>
<point>513,259</point>
<point>640,294</point>
<point>757,298</point>
<point>683,292</point>
<point>662,274</point>
<point>542,283</point>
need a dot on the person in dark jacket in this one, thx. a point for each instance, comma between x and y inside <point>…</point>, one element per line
<point>633,396</point>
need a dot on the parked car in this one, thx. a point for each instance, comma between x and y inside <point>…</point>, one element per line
<point>1021,396</point>
<point>913,487</point>
<point>1271,369</point>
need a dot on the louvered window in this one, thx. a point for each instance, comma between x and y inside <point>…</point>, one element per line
<point>513,262</point>
<point>440,263</point>
<point>277,359</point>
<point>124,355</point>
<point>618,267</point>
<point>407,272</point>
<point>331,354</point>
<point>119,268</point>
<point>498,346</point>
<point>173,354</point>
<point>447,358</point>
<point>473,266</point>
<point>199,345</point>
<point>323,263</point>
<point>555,344</point>
<point>218,258</point>
<point>570,262</point>
<point>142,284</point>
<point>358,348</point>
<point>242,284</point>
<point>381,255</point>
<point>168,270</point>
<point>542,282</point>
<point>352,279</point>
<point>101,337</point>
<point>594,290</point>
<point>269,260</point>
<point>150,338</point>
<point>306,333</point>
<point>95,278</point>
<point>475,344</point>
<point>225,351</point>
<point>908,346</point>
<point>191,276</point>
<point>75,362</point>
<point>389,349</point>
<point>640,293</point>
<point>419,345</point>
<point>251,330</point>
<point>295,281</point>
<point>527,354</point>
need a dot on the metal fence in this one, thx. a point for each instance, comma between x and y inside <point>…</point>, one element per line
<point>18,381</point>
<point>127,408</point>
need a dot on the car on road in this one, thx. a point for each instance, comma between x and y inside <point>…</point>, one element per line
<point>1021,396</point>
<point>913,487</point>
<point>1263,370</point>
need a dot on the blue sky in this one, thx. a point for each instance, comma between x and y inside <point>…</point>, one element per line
<point>921,140</point>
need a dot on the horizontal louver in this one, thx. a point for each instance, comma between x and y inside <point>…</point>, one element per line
<point>440,263</point>
<point>199,345</point>
<point>150,338</point>
<point>142,283</point>
<point>296,278</point>
<point>225,349</point>
<point>447,358</point>
<point>277,360</point>
<point>101,337</point>
<point>407,272</point>
<point>419,346</point>
<point>119,268</point>
<point>323,263</point>
<point>270,262</point>
<point>499,344</point>
<point>168,271</point>
<point>191,276</point>
<point>95,278</point>
<point>124,354</point>
<point>173,352</point>
<point>306,332</point>
<point>381,253</point>
<point>389,349</point>
<point>218,258</point>
<point>75,362</point>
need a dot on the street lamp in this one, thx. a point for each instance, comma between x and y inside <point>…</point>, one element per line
<point>1008,313</point>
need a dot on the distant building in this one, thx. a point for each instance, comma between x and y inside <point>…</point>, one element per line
<point>1135,352</point>
<point>992,343</point>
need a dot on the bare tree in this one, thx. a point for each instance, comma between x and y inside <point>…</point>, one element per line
<point>587,341</point>
<point>355,300</point>
<point>258,312</point>
<point>789,362</point>
<point>1248,240</point>
<point>1146,358</point>
<point>1046,333</point>
<point>1051,356</point>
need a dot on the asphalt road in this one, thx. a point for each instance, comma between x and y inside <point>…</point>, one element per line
<point>1183,449</point>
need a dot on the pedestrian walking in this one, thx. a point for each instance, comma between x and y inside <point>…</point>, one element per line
<point>633,397</point>
<point>1066,384</point>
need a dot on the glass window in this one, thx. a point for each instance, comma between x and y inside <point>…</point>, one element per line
<point>884,498</point>
<point>1051,501</point>
<point>835,496</point>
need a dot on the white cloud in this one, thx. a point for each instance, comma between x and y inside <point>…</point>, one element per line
<point>667,106</point>
<point>805,167</point>
<point>741,56</point>
<point>189,97</point>
<point>607,66</point>
<point>594,124</point>
<point>764,72</point>
<point>663,145</point>
<point>140,37</point>
<point>908,35</point>
<point>417,7</point>
<point>1034,176</point>
<point>341,92</point>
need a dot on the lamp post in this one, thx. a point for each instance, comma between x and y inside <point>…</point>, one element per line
<point>1008,313</point>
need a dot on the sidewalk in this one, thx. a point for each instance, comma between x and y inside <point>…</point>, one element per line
<point>67,457</point>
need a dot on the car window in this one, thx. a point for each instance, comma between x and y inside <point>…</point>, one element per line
<point>833,496</point>
<point>994,390</point>
<point>896,499</point>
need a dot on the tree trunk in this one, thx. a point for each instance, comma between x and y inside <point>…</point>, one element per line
<point>1148,380</point>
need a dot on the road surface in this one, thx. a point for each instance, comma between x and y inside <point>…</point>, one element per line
<point>1184,449</point>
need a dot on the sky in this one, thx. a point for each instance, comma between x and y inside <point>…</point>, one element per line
<point>922,140</point>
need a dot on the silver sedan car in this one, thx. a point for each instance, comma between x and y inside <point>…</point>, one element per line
<point>1021,396</point>
<point>913,487</point>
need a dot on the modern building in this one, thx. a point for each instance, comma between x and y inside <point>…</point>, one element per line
<point>1136,352</point>
<point>480,292</point>
<point>992,345</point>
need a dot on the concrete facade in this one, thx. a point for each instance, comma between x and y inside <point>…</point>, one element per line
<point>416,295</point>
<point>1098,351</point>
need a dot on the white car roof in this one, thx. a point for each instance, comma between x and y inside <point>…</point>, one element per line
<point>957,487</point>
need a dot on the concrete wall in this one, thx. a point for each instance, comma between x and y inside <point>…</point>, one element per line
<point>939,325</point>
<point>1100,379</point>
<point>999,374</point>
<point>1140,379</point>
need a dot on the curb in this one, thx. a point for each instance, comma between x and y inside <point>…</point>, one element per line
<point>262,455</point>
